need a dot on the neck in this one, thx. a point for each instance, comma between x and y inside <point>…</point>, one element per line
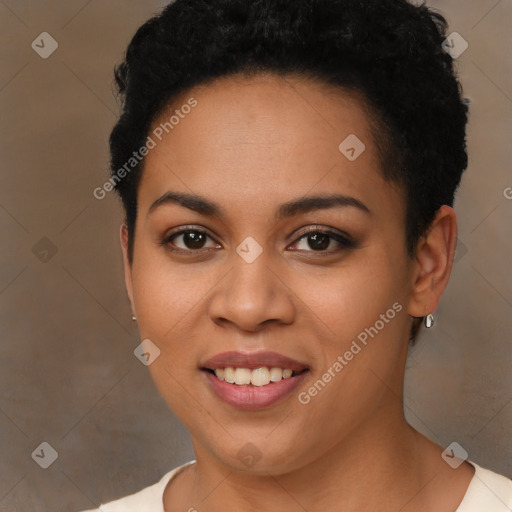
<point>380,465</point>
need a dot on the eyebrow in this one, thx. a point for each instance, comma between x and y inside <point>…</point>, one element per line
<point>304,204</point>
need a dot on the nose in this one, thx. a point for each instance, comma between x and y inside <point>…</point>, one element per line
<point>252,295</point>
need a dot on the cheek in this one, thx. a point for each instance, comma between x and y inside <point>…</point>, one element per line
<point>351,298</point>
<point>363,306</point>
<point>165,293</point>
<point>170,303</point>
<point>166,300</point>
<point>362,352</point>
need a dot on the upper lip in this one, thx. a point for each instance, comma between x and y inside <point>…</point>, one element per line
<point>253,360</point>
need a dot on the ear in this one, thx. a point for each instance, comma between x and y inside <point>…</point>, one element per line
<point>127,265</point>
<point>433,263</point>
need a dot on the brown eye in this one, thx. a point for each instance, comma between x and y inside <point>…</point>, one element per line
<point>322,241</point>
<point>318,241</point>
<point>191,240</point>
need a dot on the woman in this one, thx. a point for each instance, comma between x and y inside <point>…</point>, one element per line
<point>288,170</point>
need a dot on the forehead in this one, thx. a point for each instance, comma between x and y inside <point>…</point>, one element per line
<point>264,139</point>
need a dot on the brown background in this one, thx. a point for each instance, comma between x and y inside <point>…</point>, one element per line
<point>68,375</point>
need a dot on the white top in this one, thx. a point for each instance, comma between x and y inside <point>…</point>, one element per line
<point>487,491</point>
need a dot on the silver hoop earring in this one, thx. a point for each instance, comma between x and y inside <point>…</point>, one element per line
<point>429,320</point>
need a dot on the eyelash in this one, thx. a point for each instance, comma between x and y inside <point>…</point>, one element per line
<point>345,241</point>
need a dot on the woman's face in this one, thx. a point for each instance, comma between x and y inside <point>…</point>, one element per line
<point>265,277</point>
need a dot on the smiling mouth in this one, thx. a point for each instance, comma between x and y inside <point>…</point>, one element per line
<point>257,377</point>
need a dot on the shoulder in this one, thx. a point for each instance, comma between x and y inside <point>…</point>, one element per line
<point>487,491</point>
<point>149,499</point>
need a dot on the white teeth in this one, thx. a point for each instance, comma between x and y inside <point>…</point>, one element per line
<point>260,377</point>
<point>276,374</point>
<point>257,377</point>
<point>229,375</point>
<point>242,376</point>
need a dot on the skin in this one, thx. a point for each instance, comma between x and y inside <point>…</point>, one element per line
<point>251,144</point>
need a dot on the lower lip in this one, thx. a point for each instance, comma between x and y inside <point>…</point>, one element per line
<point>254,397</point>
